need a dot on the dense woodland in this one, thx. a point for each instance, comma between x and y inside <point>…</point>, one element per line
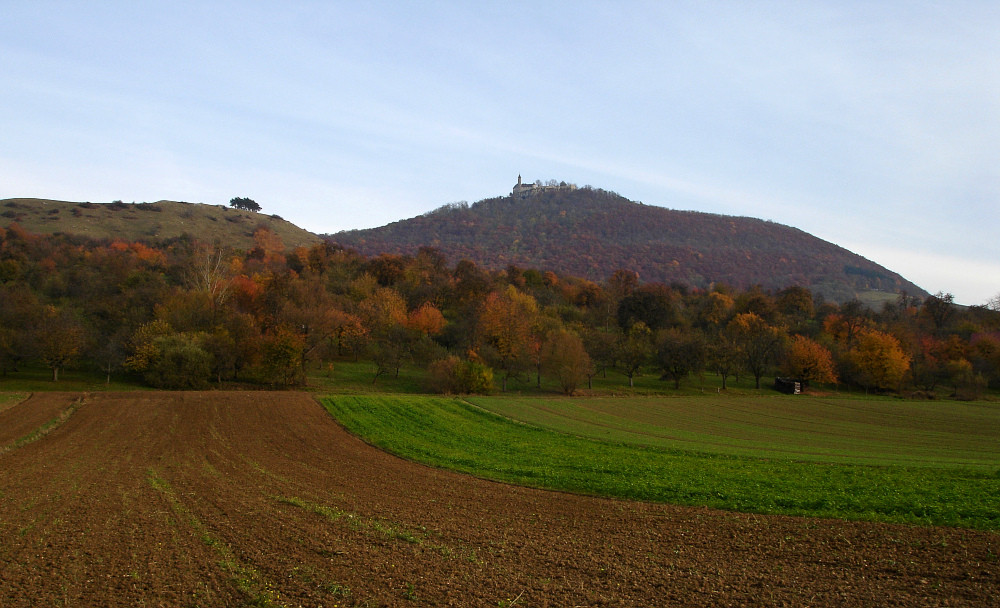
<point>590,233</point>
<point>182,314</point>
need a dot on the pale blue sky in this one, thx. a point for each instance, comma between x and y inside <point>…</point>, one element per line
<point>874,125</point>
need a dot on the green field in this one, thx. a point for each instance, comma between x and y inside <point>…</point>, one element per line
<point>937,463</point>
<point>836,430</point>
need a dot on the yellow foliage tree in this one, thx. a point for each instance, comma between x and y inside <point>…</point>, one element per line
<point>879,360</point>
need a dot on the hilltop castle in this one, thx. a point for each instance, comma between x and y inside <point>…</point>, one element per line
<point>522,190</point>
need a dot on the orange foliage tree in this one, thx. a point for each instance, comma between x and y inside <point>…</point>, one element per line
<point>809,361</point>
<point>506,319</point>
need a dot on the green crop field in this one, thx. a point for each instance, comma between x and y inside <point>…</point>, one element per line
<point>749,455</point>
<point>854,431</point>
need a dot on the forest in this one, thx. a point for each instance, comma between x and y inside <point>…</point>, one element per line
<point>590,233</point>
<point>181,314</point>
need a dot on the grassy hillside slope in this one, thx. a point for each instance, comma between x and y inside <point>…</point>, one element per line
<point>149,221</point>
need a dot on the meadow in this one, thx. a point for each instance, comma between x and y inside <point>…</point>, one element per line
<point>933,463</point>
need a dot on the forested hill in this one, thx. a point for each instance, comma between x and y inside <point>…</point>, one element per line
<point>591,233</point>
<point>149,222</point>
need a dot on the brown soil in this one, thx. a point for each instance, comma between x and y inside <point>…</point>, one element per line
<point>261,499</point>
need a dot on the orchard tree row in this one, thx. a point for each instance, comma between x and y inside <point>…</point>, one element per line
<point>181,314</point>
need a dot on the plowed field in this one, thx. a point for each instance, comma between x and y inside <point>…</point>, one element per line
<point>261,499</point>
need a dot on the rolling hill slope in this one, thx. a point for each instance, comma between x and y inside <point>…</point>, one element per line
<point>591,233</point>
<point>148,221</point>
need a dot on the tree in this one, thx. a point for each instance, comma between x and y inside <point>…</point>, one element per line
<point>845,324</point>
<point>142,345</point>
<point>20,313</point>
<point>713,310</point>
<point>426,319</point>
<point>635,347</point>
<point>564,357</point>
<point>452,375</point>
<point>601,346</point>
<point>680,353</point>
<point>58,338</point>
<point>724,356</point>
<point>653,305</point>
<point>809,361</point>
<point>244,204</point>
<point>390,348</point>
<point>210,272</point>
<point>506,319</point>
<point>940,309</point>
<point>879,360</point>
<point>383,310</point>
<point>282,356</point>
<point>180,362</point>
<point>757,341</point>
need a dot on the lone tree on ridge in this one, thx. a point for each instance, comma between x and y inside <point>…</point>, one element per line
<point>246,204</point>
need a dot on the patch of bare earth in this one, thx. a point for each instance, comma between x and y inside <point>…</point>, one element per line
<point>229,499</point>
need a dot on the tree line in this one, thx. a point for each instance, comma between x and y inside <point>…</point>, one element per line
<point>182,314</point>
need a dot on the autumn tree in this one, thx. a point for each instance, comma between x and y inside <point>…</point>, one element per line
<point>282,357</point>
<point>390,350</point>
<point>713,310</point>
<point>384,309</point>
<point>845,324</point>
<point>58,338</point>
<point>349,333</point>
<point>757,342</point>
<point>679,353</point>
<point>758,302</point>
<point>808,361</point>
<point>384,315</point>
<point>506,320</point>
<point>426,319</point>
<point>601,345</point>
<point>180,362</point>
<point>939,309</point>
<point>795,303</point>
<point>724,356</point>
<point>20,312</point>
<point>634,350</point>
<point>142,348</point>
<point>210,272</point>
<point>879,360</point>
<point>451,375</point>
<point>653,305</point>
<point>564,357</point>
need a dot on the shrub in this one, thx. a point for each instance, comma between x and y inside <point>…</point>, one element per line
<point>452,375</point>
<point>181,363</point>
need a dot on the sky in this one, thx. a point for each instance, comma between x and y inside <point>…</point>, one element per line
<point>872,125</point>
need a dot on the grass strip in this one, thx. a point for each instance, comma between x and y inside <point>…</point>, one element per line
<point>451,434</point>
<point>45,429</point>
<point>247,579</point>
<point>353,521</point>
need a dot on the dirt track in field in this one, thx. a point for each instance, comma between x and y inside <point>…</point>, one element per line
<point>261,499</point>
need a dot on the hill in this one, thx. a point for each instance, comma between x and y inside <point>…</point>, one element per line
<point>149,221</point>
<point>592,233</point>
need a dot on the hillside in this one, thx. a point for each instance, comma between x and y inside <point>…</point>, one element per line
<point>591,233</point>
<point>148,221</point>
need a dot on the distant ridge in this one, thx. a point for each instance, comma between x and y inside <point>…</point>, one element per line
<point>157,221</point>
<point>591,233</point>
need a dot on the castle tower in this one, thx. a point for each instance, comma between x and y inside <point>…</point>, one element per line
<point>519,179</point>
